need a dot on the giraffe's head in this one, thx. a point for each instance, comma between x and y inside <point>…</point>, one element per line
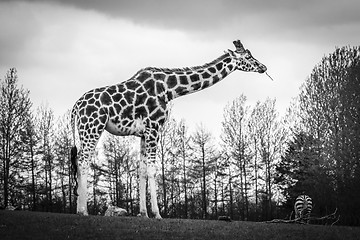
<point>244,60</point>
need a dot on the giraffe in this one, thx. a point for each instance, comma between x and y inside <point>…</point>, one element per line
<point>138,106</point>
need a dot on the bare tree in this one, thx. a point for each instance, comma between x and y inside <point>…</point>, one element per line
<point>118,153</point>
<point>236,139</point>
<point>165,152</point>
<point>62,144</point>
<point>204,161</point>
<point>271,138</point>
<point>184,152</point>
<point>15,107</point>
<point>30,139</point>
<point>130,171</point>
<point>45,124</point>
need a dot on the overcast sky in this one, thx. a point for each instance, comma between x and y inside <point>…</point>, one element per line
<point>62,48</point>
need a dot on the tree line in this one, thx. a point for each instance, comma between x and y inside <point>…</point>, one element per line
<point>260,164</point>
<point>323,155</point>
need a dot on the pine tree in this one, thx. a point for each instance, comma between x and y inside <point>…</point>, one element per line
<point>301,171</point>
<point>329,106</point>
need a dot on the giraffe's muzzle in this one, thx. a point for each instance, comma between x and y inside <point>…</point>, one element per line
<point>262,69</point>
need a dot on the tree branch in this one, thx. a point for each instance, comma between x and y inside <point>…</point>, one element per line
<point>302,220</point>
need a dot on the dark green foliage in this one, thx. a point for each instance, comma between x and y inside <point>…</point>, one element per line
<point>323,158</point>
<point>301,171</point>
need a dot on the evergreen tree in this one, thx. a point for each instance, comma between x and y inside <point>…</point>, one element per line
<point>301,171</point>
<point>329,103</point>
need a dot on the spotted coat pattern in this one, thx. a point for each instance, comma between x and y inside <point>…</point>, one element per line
<point>138,107</point>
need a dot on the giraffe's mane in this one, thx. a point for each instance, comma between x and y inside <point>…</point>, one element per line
<point>187,69</point>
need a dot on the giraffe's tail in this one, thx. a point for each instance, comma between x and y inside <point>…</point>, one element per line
<point>74,152</point>
<point>74,168</point>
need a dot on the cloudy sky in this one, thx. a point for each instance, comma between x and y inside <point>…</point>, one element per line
<point>62,48</point>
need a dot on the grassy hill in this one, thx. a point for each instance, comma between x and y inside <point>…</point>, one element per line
<point>40,225</point>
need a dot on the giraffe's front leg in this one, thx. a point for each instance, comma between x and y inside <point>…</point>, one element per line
<point>151,145</point>
<point>152,186</point>
<point>143,177</point>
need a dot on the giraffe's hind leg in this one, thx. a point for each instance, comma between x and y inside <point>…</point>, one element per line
<point>88,145</point>
<point>148,170</point>
<point>83,168</point>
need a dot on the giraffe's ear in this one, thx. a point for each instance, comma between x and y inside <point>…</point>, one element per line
<point>239,47</point>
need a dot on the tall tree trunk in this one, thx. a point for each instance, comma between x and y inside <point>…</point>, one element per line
<point>70,187</point>
<point>46,188</point>
<point>50,185</point>
<point>7,170</point>
<point>256,179</point>
<point>215,195</point>
<point>241,200</point>
<point>116,169</point>
<point>223,197</point>
<point>63,186</point>
<point>231,196</point>
<point>246,201</point>
<point>204,182</point>
<point>130,195</point>
<point>6,181</point>
<point>94,188</point>
<point>172,208</point>
<point>164,184</point>
<point>184,173</point>
<point>33,188</point>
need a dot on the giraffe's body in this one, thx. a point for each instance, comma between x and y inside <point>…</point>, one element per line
<point>138,107</point>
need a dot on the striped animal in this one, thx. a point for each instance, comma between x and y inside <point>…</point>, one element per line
<point>303,207</point>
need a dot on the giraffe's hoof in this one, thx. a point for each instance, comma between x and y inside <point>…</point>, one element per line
<point>82,214</point>
<point>143,214</point>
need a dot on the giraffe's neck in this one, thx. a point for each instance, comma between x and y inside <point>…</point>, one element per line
<point>180,82</point>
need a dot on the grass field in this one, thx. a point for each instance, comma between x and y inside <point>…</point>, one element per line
<point>39,225</point>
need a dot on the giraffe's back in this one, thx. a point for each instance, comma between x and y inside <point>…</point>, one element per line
<point>127,108</point>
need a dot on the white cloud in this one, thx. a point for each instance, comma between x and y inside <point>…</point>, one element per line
<point>68,51</point>
<point>63,50</point>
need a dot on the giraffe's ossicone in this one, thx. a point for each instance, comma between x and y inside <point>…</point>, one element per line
<point>138,107</point>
